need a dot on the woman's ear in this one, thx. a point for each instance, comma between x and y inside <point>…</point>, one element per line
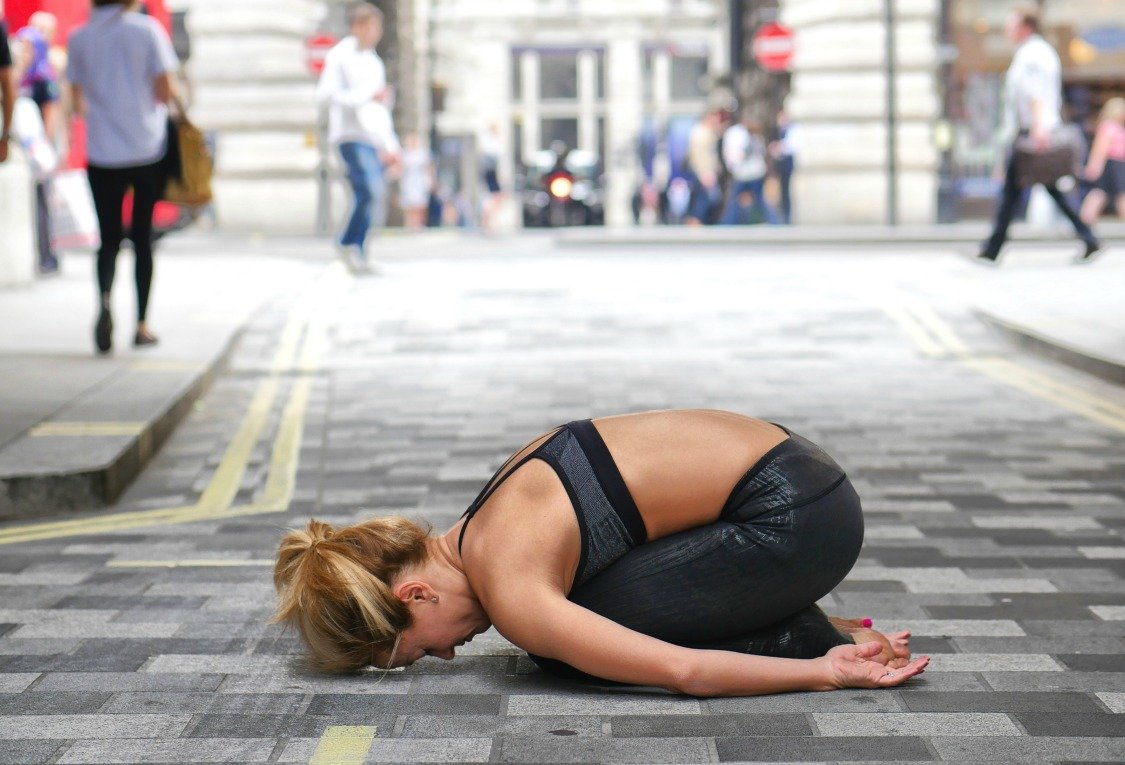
<point>413,591</point>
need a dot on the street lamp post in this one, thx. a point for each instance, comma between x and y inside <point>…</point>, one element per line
<point>892,169</point>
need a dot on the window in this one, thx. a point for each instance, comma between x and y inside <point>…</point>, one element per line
<point>558,76</point>
<point>689,77</point>
<point>563,129</point>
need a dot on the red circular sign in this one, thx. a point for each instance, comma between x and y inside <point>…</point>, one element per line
<point>316,49</point>
<point>773,47</point>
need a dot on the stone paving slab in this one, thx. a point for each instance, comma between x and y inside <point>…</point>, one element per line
<point>993,519</point>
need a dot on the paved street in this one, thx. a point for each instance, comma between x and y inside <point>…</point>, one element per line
<point>993,485</point>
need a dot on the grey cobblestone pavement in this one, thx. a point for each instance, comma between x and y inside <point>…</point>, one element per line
<point>993,483</point>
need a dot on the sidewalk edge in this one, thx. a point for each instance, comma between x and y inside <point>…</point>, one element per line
<point>1052,347</point>
<point>32,496</point>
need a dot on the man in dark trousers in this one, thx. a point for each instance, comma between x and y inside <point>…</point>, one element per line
<point>1033,100</point>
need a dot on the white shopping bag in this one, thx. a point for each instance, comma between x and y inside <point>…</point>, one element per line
<point>28,128</point>
<point>73,220</point>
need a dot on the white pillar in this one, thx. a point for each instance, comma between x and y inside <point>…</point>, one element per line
<point>529,100</point>
<point>624,100</point>
<point>251,87</point>
<point>838,102</point>
<point>17,220</point>
<point>587,101</point>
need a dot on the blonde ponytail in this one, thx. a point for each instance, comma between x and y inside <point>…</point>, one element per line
<point>333,585</point>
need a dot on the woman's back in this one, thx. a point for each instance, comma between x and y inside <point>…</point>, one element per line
<point>1115,133</point>
<point>115,58</point>
<point>679,468</point>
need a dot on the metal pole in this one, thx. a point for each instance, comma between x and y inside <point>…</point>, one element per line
<point>323,176</point>
<point>892,169</point>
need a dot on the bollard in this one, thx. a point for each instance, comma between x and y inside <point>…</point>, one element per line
<point>17,221</point>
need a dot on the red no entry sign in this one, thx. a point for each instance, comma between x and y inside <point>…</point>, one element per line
<point>772,47</point>
<point>316,48</point>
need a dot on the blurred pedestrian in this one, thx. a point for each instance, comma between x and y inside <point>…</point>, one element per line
<point>30,132</point>
<point>40,81</point>
<point>416,181</point>
<point>783,149</point>
<point>744,155</point>
<point>354,84</point>
<point>704,167</point>
<point>7,89</point>
<point>1105,167</point>
<point>121,65</point>
<point>490,149</point>
<point>1033,97</point>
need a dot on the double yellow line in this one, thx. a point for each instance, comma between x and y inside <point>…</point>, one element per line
<point>936,338</point>
<point>298,354</point>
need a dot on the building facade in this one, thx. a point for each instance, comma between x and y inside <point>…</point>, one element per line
<point>948,64</point>
<point>593,74</point>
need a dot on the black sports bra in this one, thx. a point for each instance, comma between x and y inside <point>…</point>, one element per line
<point>608,518</point>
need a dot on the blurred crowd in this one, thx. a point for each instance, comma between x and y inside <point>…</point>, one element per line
<point>729,169</point>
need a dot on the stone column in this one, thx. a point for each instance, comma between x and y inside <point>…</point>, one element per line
<point>587,102</point>
<point>251,86</point>
<point>838,101</point>
<point>624,102</point>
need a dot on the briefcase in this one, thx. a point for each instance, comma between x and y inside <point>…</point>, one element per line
<point>1059,159</point>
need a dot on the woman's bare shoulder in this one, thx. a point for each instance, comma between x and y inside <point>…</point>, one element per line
<point>527,529</point>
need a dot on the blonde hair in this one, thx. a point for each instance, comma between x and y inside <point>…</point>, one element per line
<point>1113,110</point>
<point>334,586</point>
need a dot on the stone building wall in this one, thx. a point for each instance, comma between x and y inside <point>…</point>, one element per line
<point>839,101</point>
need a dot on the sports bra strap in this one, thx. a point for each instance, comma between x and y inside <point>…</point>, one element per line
<point>497,479</point>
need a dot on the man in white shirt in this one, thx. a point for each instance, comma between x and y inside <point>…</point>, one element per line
<point>354,85</point>
<point>744,154</point>
<point>1033,99</point>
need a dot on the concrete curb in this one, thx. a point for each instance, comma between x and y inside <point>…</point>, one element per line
<point>35,495</point>
<point>1044,345</point>
<point>809,235</point>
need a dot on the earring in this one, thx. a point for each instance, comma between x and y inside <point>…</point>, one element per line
<point>433,600</point>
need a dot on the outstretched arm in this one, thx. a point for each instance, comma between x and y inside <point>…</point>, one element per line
<point>558,629</point>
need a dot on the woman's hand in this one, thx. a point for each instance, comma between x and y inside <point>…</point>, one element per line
<point>859,666</point>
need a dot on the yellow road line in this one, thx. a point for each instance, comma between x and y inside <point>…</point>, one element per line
<point>61,428</point>
<point>923,339</point>
<point>223,487</point>
<point>944,333</point>
<point>1063,395</point>
<point>935,337</point>
<point>225,482</point>
<point>188,563</point>
<point>343,745</point>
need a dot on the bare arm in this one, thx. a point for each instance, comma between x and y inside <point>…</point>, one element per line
<point>558,629</point>
<point>77,102</point>
<point>1095,163</point>
<point>8,96</point>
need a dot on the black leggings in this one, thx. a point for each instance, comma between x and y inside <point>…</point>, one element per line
<point>109,185</point>
<point>748,582</point>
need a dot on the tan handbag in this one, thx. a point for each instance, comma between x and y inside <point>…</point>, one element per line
<point>193,186</point>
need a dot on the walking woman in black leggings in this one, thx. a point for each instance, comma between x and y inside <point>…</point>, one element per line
<point>120,66</point>
<point>679,549</point>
